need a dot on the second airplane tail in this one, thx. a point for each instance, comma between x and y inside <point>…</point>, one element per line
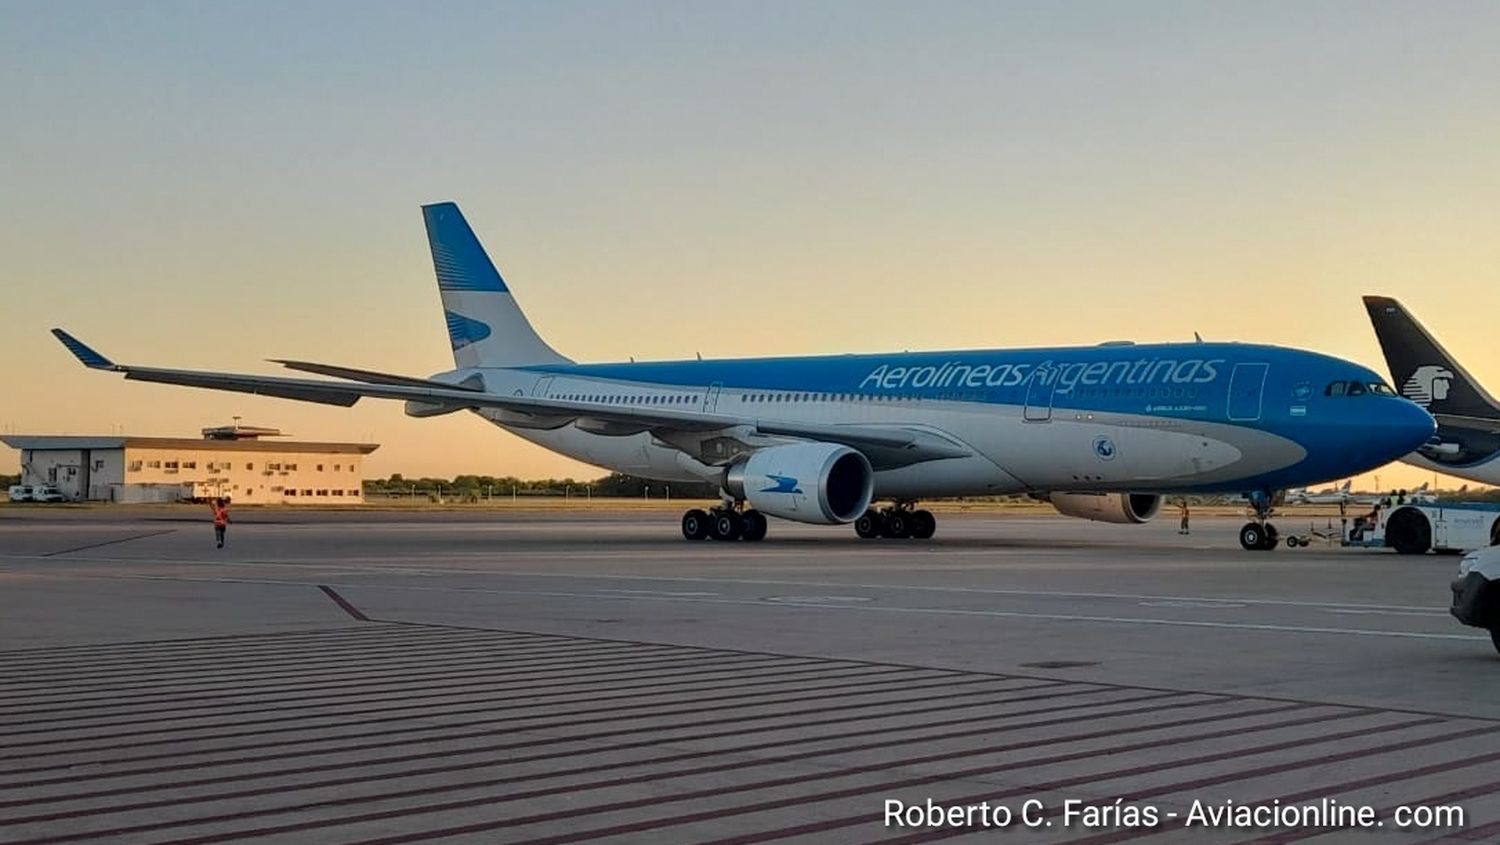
<point>485,325</point>
<point>1421,369</point>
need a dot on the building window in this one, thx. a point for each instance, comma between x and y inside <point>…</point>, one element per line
<point>320,467</point>
<point>289,492</point>
<point>135,466</point>
<point>249,466</point>
<point>171,465</point>
<point>307,492</point>
<point>154,464</point>
<point>354,492</point>
<point>99,464</point>
<point>322,492</point>
<point>189,464</point>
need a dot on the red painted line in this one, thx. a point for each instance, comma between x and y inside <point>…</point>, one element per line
<point>381,640</point>
<point>1009,767</point>
<point>572,815</point>
<point>343,603</point>
<point>1277,768</point>
<point>765,679</point>
<point>350,638</point>
<point>490,762</point>
<point>315,701</point>
<point>1385,812</point>
<point>172,679</point>
<point>136,644</point>
<point>820,694</point>
<point>688,679</point>
<point>241,692</point>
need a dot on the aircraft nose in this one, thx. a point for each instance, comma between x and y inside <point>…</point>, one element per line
<point>1407,426</point>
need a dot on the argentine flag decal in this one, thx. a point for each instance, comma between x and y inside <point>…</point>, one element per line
<point>463,331</point>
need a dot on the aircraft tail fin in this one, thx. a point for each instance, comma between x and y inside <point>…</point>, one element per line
<point>485,325</point>
<point>1421,369</point>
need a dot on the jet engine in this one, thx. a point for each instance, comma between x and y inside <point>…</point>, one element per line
<point>819,483</point>
<point>1118,508</point>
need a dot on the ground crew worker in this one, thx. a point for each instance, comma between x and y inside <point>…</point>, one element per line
<point>221,519</point>
<point>1183,529</point>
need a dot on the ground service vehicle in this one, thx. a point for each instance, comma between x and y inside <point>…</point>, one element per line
<point>1418,527</point>
<point>1476,592</point>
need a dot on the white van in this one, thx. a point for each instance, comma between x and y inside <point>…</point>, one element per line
<point>47,493</point>
<point>20,492</point>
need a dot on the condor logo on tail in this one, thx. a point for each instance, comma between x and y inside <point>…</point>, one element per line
<point>463,331</point>
<point>1428,384</point>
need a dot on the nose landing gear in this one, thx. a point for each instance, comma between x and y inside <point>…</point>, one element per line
<point>1259,535</point>
<point>898,522</point>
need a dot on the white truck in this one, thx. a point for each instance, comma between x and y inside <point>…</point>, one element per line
<point>1476,591</point>
<point>1418,527</point>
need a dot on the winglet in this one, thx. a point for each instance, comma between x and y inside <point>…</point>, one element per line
<point>89,357</point>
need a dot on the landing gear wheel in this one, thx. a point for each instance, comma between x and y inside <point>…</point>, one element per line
<point>868,525</point>
<point>726,526</point>
<point>1271,537</point>
<point>1408,532</point>
<point>695,525</point>
<point>753,528</point>
<point>897,525</point>
<point>923,525</point>
<point>1252,537</point>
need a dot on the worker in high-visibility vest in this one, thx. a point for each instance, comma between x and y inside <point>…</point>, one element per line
<point>221,519</point>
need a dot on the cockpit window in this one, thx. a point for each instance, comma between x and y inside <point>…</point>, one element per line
<point>1336,388</point>
<point>1380,388</point>
<point>1356,389</point>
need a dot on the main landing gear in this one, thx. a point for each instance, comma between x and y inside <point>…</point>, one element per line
<point>724,523</point>
<point>1259,535</point>
<point>898,522</point>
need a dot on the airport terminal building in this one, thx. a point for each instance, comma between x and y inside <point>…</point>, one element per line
<point>229,461</point>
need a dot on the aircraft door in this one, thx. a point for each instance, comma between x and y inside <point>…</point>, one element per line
<point>543,387</point>
<point>1039,390</point>
<point>1246,389</point>
<point>711,398</point>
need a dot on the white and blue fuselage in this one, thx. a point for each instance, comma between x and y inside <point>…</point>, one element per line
<point>1198,417</point>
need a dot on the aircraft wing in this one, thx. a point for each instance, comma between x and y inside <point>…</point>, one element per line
<point>884,446</point>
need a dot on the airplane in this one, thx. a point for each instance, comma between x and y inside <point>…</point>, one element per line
<point>1467,443</point>
<point>1331,496</point>
<point>1102,432</point>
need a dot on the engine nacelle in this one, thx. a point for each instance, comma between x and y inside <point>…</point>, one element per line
<point>1118,508</point>
<point>820,483</point>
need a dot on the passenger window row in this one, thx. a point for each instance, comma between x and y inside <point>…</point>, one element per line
<point>628,399</point>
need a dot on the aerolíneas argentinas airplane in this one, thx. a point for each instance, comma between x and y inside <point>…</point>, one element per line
<point>1101,431</point>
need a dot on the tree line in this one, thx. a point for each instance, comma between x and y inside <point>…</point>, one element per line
<point>481,487</point>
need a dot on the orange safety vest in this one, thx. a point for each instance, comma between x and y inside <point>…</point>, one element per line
<point>221,515</point>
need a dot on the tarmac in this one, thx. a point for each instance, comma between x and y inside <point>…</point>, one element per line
<point>377,677</point>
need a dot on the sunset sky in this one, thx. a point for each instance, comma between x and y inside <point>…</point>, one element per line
<point>208,185</point>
